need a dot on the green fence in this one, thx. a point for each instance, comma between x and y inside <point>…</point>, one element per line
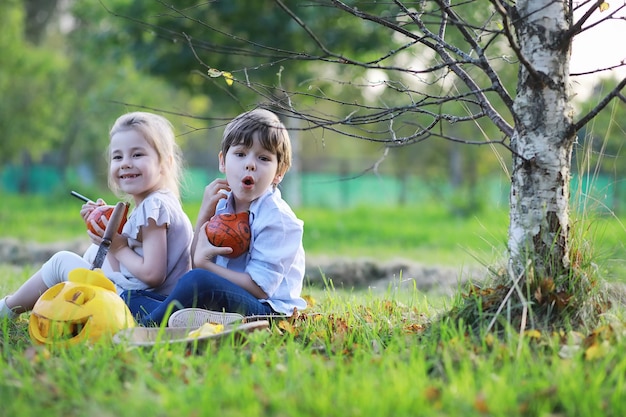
<point>328,190</point>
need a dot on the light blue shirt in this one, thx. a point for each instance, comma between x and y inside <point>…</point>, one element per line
<point>275,260</point>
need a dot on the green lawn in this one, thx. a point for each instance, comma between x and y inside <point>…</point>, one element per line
<point>351,353</point>
<point>427,234</point>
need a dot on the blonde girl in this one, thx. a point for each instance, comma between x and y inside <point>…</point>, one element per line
<point>146,260</point>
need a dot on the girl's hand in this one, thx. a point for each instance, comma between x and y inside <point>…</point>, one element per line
<point>117,241</point>
<point>205,252</point>
<point>213,193</point>
<point>88,207</point>
<point>95,239</point>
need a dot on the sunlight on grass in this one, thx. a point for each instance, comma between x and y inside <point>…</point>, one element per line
<point>364,351</point>
<point>353,353</point>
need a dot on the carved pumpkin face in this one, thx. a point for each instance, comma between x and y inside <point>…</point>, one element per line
<point>230,230</point>
<point>85,308</point>
<point>98,212</point>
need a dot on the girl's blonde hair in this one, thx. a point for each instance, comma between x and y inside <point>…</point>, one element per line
<point>159,133</point>
<point>265,126</point>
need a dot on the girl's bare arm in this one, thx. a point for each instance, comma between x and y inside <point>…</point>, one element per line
<point>152,267</point>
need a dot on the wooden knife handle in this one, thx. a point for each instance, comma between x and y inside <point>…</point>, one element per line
<point>114,221</point>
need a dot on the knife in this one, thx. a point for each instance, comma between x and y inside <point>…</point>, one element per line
<point>109,232</point>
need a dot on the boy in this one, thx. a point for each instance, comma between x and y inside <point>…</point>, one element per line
<point>267,280</point>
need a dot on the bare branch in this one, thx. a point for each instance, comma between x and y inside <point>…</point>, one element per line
<point>441,48</point>
<point>308,31</point>
<point>599,70</point>
<point>483,62</point>
<point>577,27</point>
<point>506,12</point>
<point>616,92</point>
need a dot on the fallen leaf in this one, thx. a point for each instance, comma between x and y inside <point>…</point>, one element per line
<point>596,351</point>
<point>432,393</point>
<point>480,404</point>
<point>532,334</point>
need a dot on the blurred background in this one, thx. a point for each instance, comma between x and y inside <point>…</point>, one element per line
<point>69,68</point>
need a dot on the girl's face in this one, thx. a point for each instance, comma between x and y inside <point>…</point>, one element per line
<point>134,164</point>
<point>250,172</point>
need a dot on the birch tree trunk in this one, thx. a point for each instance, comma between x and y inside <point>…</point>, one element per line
<point>542,142</point>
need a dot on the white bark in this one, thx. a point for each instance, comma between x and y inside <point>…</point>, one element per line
<point>542,142</point>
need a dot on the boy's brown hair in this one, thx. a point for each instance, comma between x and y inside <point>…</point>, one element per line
<point>267,128</point>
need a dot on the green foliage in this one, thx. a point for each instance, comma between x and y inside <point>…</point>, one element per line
<point>33,87</point>
<point>60,101</point>
<point>121,55</point>
<point>161,38</point>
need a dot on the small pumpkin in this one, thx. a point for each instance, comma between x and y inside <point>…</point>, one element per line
<point>86,308</point>
<point>106,211</point>
<point>230,230</point>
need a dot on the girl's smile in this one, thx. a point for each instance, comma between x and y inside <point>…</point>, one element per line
<point>134,164</point>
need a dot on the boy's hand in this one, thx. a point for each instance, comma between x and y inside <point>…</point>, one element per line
<point>206,252</point>
<point>213,193</point>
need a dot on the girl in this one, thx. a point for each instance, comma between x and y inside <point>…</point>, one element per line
<point>268,279</point>
<point>153,251</point>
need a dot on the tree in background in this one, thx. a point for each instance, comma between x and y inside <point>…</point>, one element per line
<point>32,90</point>
<point>443,65</point>
<point>393,74</point>
<point>60,99</point>
<point>192,45</point>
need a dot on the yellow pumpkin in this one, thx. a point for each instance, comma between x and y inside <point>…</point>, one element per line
<point>85,308</point>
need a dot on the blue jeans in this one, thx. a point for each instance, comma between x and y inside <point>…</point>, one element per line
<point>203,289</point>
<point>142,302</point>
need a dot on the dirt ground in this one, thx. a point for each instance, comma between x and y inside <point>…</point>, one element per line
<point>344,273</point>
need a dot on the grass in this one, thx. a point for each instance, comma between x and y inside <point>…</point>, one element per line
<point>364,356</point>
<point>352,353</point>
<point>426,233</point>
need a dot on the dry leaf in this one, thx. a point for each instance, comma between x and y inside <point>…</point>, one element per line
<point>214,73</point>
<point>310,301</point>
<point>532,334</point>
<point>432,393</point>
<point>480,404</point>
<point>596,351</point>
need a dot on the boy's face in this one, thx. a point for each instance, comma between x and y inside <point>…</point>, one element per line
<point>249,172</point>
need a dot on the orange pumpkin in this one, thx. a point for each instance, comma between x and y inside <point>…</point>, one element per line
<point>106,211</point>
<point>230,230</point>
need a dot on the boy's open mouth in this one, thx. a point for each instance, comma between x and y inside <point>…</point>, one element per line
<point>248,181</point>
